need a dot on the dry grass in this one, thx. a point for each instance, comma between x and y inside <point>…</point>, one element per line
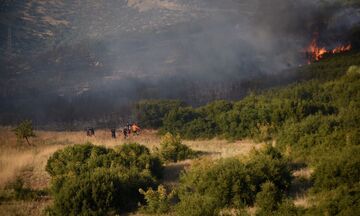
<point>19,159</point>
<point>300,186</point>
<point>34,208</point>
<point>16,158</point>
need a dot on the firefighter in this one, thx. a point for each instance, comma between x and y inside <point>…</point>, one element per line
<point>126,132</point>
<point>113,133</point>
<point>135,129</point>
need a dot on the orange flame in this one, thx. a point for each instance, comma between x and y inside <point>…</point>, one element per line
<point>315,53</point>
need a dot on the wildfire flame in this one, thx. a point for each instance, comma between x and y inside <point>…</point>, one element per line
<point>315,53</point>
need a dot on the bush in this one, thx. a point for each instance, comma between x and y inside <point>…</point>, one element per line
<point>82,158</point>
<point>338,170</point>
<point>197,205</point>
<point>230,183</point>
<point>268,199</point>
<point>287,207</point>
<point>93,180</point>
<point>172,150</point>
<point>100,192</point>
<point>175,120</point>
<point>269,164</point>
<point>24,131</point>
<point>342,201</point>
<point>138,157</point>
<point>76,159</point>
<point>151,112</point>
<point>157,202</point>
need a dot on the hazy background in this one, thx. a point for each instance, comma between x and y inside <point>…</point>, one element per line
<point>88,61</point>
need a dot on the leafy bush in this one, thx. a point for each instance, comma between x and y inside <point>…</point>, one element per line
<point>342,201</point>
<point>82,158</point>
<point>268,199</point>
<point>24,131</point>
<point>230,183</point>
<point>100,192</point>
<point>175,120</point>
<point>287,207</point>
<point>138,157</point>
<point>76,159</point>
<point>171,149</point>
<point>151,112</point>
<point>338,170</point>
<point>93,180</point>
<point>157,202</point>
<point>197,205</point>
<point>269,164</point>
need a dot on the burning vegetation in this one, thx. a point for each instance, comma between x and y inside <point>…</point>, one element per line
<point>314,52</point>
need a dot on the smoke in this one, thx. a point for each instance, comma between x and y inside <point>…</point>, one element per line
<point>108,54</point>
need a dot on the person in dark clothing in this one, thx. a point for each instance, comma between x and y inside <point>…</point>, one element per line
<point>126,132</point>
<point>113,133</point>
<point>92,132</point>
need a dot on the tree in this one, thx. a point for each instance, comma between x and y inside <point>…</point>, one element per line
<point>24,131</point>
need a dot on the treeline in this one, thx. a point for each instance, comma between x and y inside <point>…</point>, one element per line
<point>307,115</point>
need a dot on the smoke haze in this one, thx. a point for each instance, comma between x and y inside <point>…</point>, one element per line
<point>79,60</point>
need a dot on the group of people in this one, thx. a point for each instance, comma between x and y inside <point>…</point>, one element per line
<point>131,128</point>
<point>127,130</point>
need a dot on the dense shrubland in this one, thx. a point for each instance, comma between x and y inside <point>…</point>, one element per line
<point>315,122</point>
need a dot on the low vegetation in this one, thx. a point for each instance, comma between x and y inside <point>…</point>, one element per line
<point>314,122</point>
<point>172,150</point>
<point>93,180</point>
<point>212,186</point>
<point>25,131</point>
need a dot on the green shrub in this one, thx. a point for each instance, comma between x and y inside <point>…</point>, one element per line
<point>135,156</point>
<point>287,207</point>
<point>99,192</point>
<point>231,183</point>
<point>24,131</point>
<point>338,170</point>
<point>197,205</point>
<point>150,113</point>
<point>269,164</point>
<point>268,199</point>
<point>225,182</point>
<point>157,202</point>
<point>342,201</point>
<point>172,150</point>
<point>82,158</point>
<point>92,180</point>
<point>74,159</point>
<point>175,120</point>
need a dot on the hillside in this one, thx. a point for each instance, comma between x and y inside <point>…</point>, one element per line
<point>307,162</point>
<point>57,56</point>
<point>314,122</point>
<point>245,107</point>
